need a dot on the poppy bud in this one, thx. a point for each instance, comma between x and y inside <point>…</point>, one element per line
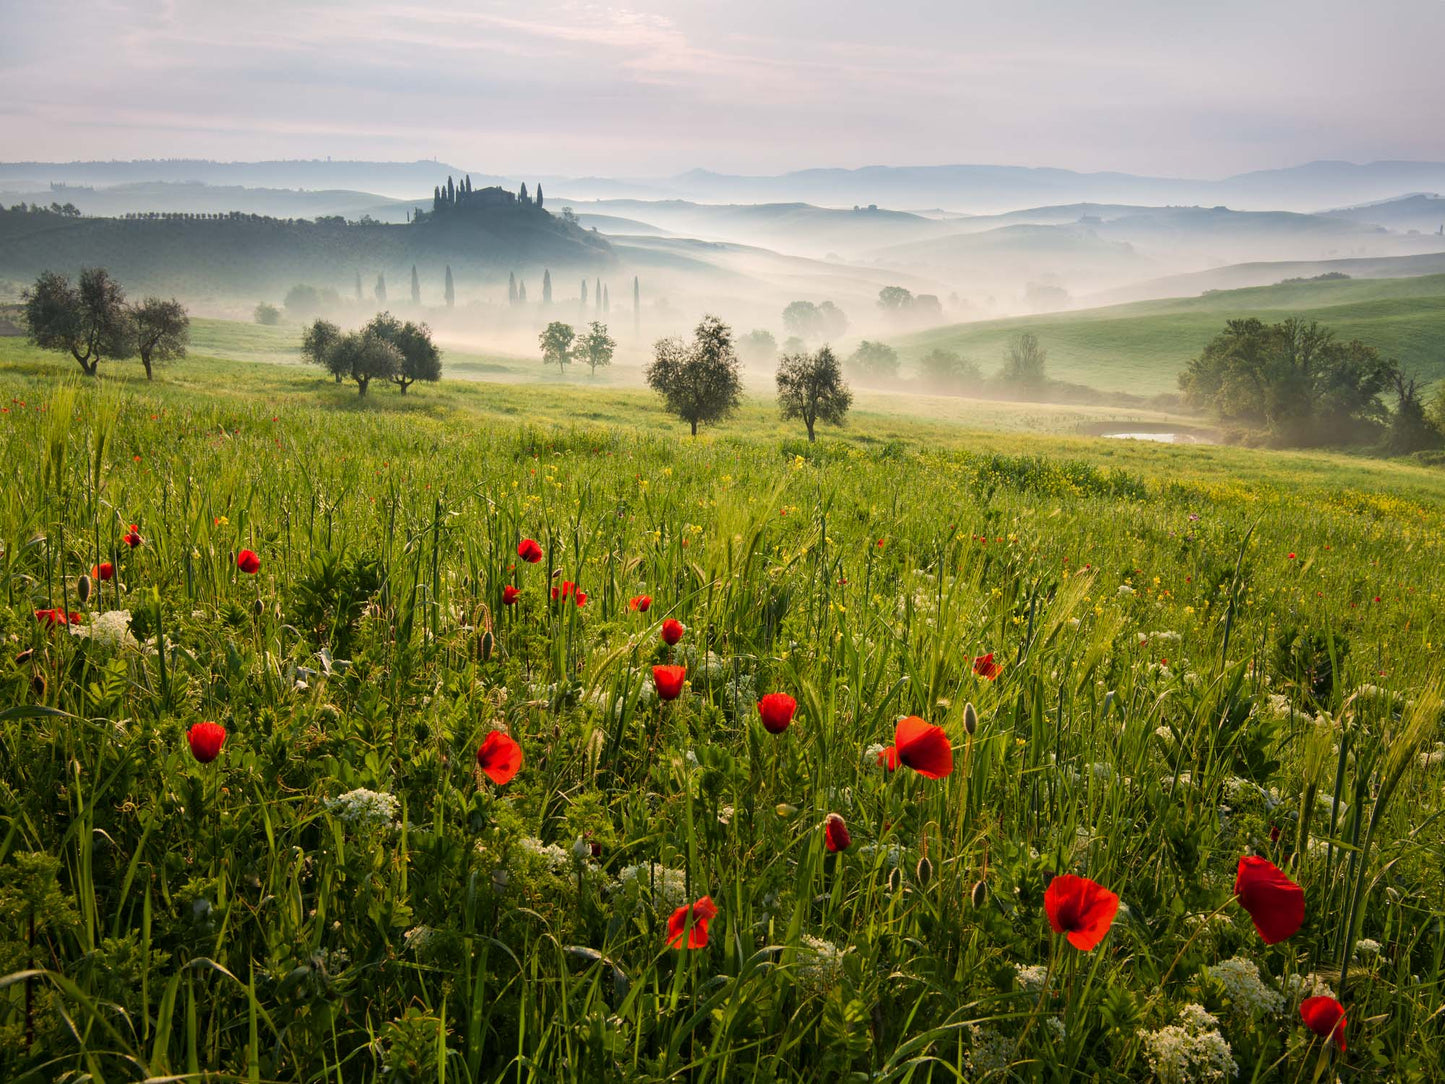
<point>24,656</point>
<point>923,872</point>
<point>970,720</point>
<point>484,646</point>
<point>895,879</point>
<point>37,685</point>
<point>82,588</point>
<point>258,607</point>
<point>979,894</point>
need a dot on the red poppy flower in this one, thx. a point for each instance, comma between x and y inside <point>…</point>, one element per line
<point>668,680</point>
<point>529,551</point>
<point>1276,903</point>
<point>1289,557</point>
<point>923,747</point>
<point>509,595</point>
<point>835,833</point>
<point>206,740</point>
<point>687,928</point>
<point>56,617</point>
<point>888,758</point>
<point>1325,1017</point>
<point>986,668</point>
<point>500,757</point>
<point>672,630</point>
<point>1080,909</point>
<point>777,712</point>
<point>581,597</point>
<point>639,604</point>
<point>248,562</point>
<point>132,537</point>
<point>103,571</point>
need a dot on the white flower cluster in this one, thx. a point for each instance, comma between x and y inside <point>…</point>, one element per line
<point>109,629</point>
<point>819,965</point>
<point>557,858</point>
<point>989,1051</point>
<point>364,809</point>
<point>668,886</point>
<point>1367,947</point>
<point>1125,590</point>
<point>1192,1050</point>
<point>1246,991</point>
<point>1031,977</point>
<point>420,939</point>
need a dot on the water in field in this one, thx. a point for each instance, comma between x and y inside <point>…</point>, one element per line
<point>1162,438</point>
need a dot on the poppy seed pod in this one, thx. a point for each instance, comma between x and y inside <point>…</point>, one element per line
<point>970,720</point>
<point>979,893</point>
<point>923,872</point>
<point>82,588</point>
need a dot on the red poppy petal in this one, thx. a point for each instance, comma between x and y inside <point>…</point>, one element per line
<point>923,747</point>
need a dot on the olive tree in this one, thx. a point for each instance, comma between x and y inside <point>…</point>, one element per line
<point>90,321</point>
<point>364,358</point>
<point>699,381</point>
<point>595,349</point>
<point>162,329</point>
<point>420,358</point>
<point>811,387</point>
<point>556,343</point>
<point>316,344</point>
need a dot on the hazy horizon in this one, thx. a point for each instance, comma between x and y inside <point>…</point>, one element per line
<point>567,88</point>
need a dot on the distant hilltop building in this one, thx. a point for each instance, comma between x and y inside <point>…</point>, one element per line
<point>452,195</point>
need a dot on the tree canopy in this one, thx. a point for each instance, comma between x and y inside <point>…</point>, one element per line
<point>1025,363</point>
<point>364,357</point>
<point>556,344</point>
<point>90,321</point>
<point>814,322</point>
<point>420,358</point>
<point>811,387</point>
<point>162,329</point>
<point>699,381</point>
<point>595,349</point>
<point>875,362</point>
<point>1292,380</point>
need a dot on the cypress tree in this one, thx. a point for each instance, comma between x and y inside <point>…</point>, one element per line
<point>451,294</point>
<point>522,195</point>
<point>380,290</point>
<point>521,293</point>
<point>415,287</point>
<point>511,288</point>
<point>451,192</point>
<point>546,279</point>
<point>436,198</point>
<point>636,307</point>
<point>606,300</point>
<point>597,297</point>
<point>358,284</point>
<point>584,293</point>
<point>469,184</point>
<point>539,194</point>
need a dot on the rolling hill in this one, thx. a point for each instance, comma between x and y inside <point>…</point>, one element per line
<point>1141,347</point>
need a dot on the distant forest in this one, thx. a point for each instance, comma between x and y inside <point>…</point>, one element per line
<point>482,231</point>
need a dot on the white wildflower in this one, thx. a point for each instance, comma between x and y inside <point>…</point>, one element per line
<point>989,1051</point>
<point>1246,991</point>
<point>668,886</point>
<point>1298,987</point>
<point>364,809</point>
<point>819,965</point>
<point>109,629</point>
<point>1192,1050</point>
<point>550,854</point>
<point>1125,590</point>
<point>1055,1027</point>
<point>1367,947</point>
<point>1031,977</point>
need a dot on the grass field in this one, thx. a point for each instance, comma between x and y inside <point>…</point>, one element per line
<point>1203,653</point>
<point>1142,347</point>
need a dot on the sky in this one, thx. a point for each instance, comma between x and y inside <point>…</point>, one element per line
<point>1164,87</point>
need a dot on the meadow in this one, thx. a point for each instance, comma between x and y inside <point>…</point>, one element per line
<point>1142,347</point>
<point>458,829</point>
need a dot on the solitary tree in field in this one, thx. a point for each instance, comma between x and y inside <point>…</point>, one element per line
<point>450,292</point>
<point>810,386</point>
<point>595,348</point>
<point>546,275</point>
<point>89,321</point>
<point>316,344</point>
<point>364,358</point>
<point>162,330</point>
<point>420,358</point>
<point>699,381</point>
<point>415,287</point>
<point>1025,363</point>
<point>556,343</point>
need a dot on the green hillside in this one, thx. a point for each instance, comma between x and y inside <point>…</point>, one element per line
<point>1141,347</point>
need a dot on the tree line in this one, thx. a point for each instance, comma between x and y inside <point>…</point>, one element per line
<point>385,349</point>
<point>92,322</point>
